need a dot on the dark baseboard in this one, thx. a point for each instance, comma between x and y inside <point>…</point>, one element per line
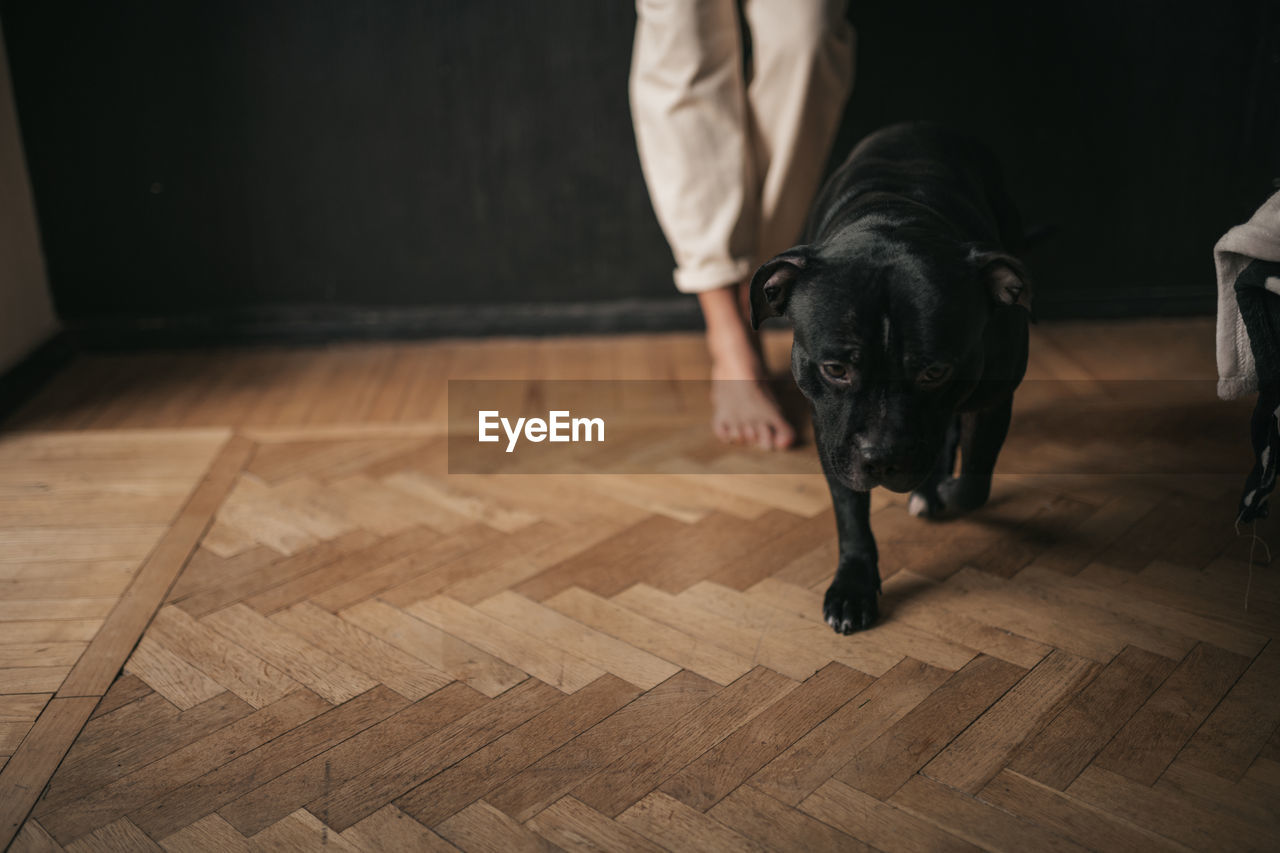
<point>20,382</point>
<point>322,323</point>
<point>1132,304</point>
<point>304,324</point>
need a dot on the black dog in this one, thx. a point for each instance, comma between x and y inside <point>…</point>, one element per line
<point>910,320</point>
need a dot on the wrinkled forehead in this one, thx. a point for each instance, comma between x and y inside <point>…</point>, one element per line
<point>907,308</point>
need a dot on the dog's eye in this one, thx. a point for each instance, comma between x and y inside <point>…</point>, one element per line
<point>836,372</point>
<point>934,374</point>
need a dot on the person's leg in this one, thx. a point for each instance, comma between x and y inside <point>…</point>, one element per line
<point>744,407</point>
<point>688,105</point>
<point>802,61</point>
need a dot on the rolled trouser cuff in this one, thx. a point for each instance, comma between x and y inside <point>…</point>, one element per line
<point>711,275</point>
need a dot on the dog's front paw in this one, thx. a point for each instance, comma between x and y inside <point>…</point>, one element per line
<point>952,497</point>
<point>926,503</point>
<point>847,609</point>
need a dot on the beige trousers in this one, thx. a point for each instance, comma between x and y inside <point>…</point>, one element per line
<point>732,166</point>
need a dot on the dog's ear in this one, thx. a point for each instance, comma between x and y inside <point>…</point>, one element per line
<point>1004,275</point>
<point>772,284</point>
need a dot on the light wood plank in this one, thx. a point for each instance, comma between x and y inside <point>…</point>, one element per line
<point>25,774</point>
<point>109,648</point>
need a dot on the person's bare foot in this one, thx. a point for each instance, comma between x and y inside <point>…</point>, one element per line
<point>744,409</point>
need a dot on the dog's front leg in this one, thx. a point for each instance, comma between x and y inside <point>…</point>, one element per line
<point>851,602</point>
<point>981,434</point>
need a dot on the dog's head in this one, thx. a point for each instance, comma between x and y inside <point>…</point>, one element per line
<point>889,342</point>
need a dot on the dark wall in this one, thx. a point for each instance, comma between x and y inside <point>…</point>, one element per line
<point>243,159</point>
<point>1142,129</point>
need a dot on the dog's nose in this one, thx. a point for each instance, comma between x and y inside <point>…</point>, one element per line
<point>877,463</point>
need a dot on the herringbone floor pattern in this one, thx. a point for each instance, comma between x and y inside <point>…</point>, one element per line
<point>367,653</point>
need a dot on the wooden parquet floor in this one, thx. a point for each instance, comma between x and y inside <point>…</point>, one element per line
<point>275,621</point>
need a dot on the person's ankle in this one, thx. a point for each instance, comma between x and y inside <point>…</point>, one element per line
<point>741,364</point>
<point>732,344</point>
